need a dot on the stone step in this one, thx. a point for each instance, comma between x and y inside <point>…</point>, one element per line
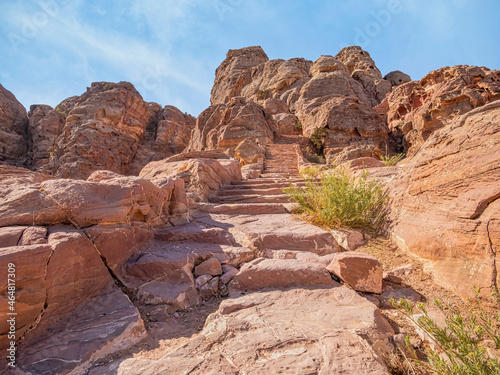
<point>193,232</point>
<point>266,191</point>
<point>242,208</point>
<point>270,181</point>
<point>264,186</point>
<point>252,198</point>
<point>275,232</point>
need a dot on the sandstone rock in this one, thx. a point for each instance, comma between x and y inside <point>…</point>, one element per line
<point>102,131</point>
<point>397,78</point>
<point>279,273</point>
<point>202,280</point>
<point>193,233</point>
<point>249,152</point>
<point>174,130</point>
<point>285,123</point>
<point>202,176</point>
<point>83,326</point>
<point>275,106</point>
<point>274,232</point>
<point>251,171</point>
<point>45,125</point>
<point>210,289</point>
<point>13,129</point>
<point>364,162</point>
<point>209,267</point>
<point>168,133</point>
<point>363,69</point>
<point>341,328</point>
<point>30,198</point>
<point>232,74</point>
<point>361,271</point>
<point>348,239</point>
<point>118,243</point>
<point>325,64</point>
<point>277,78</point>
<point>228,273</point>
<point>417,109</point>
<point>9,236</point>
<point>33,236</point>
<point>22,202</point>
<point>30,265</point>
<point>445,204</point>
<point>225,126</point>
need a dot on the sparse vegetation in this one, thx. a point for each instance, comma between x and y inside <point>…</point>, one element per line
<point>61,111</point>
<point>317,138</point>
<point>318,159</point>
<point>389,161</point>
<point>461,346</point>
<point>263,94</point>
<point>340,199</point>
<point>298,126</point>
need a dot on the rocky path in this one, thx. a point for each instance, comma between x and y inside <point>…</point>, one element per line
<point>285,313</point>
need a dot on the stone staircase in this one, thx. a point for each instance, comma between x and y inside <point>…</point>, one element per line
<point>263,195</point>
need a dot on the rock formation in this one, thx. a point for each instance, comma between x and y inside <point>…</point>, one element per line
<point>225,126</point>
<point>335,94</point>
<point>121,214</point>
<point>416,109</point>
<point>446,201</point>
<point>13,129</point>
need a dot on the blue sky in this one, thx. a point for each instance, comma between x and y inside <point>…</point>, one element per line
<point>53,49</point>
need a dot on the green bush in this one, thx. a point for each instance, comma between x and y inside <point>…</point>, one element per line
<point>339,199</point>
<point>318,159</point>
<point>298,126</point>
<point>263,94</point>
<point>389,161</point>
<point>458,345</point>
<point>317,138</point>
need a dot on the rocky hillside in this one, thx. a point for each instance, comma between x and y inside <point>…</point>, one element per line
<point>122,218</point>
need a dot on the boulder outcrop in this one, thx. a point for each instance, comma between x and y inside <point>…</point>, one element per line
<point>168,133</point>
<point>416,109</point>
<point>13,129</point>
<point>446,200</point>
<point>45,125</point>
<point>102,131</point>
<point>225,126</point>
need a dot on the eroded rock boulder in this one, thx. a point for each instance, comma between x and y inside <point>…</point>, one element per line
<point>45,125</point>
<point>167,134</point>
<point>225,126</point>
<point>363,69</point>
<point>13,129</point>
<point>361,271</point>
<point>416,109</point>
<point>102,131</point>
<point>31,198</point>
<point>397,78</point>
<point>233,74</point>
<point>445,200</point>
<point>202,176</point>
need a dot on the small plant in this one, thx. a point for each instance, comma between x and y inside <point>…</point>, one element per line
<point>389,161</point>
<point>458,346</point>
<point>318,159</point>
<point>61,111</point>
<point>263,94</point>
<point>298,126</point>
<point>317,138</point>
<point>340,199</point>
<point>309,172</point>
